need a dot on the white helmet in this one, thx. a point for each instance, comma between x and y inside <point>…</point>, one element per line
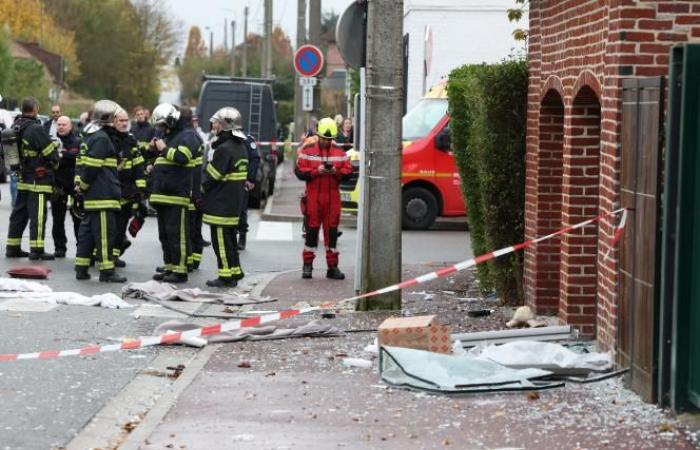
<point>103,113</point>
<point>230,120</point>
<point>165,114</point>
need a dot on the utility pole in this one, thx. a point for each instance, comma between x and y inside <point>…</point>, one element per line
<point>233,48</point>
<point>381,215</point>
<point>267,52</point>
<point>315,39</point>
<point>225,34</point>
<point>299,122</point>
<point>244,59</point>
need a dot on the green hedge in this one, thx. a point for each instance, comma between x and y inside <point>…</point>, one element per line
<point>488,110</point>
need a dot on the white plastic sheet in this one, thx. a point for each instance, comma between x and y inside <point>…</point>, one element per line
<point>541,354</point>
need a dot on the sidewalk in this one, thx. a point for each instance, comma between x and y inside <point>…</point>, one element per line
<point>296,393</point>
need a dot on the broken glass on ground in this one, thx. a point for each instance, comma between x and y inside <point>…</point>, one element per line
<point>439,373</point>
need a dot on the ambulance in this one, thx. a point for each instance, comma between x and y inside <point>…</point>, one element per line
<point>431,185</point>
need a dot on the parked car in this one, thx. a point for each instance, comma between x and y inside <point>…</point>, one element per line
<point>254,98</point>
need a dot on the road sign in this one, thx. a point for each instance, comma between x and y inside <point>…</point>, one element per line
<point>307,98</point>
<point>308,81</point>
<point>350,34</point>
<point>308,61</point>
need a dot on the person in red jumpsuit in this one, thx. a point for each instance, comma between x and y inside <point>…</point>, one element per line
<point>322,165</point>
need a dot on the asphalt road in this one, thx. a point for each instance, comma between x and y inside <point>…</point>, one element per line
<point>45,403</point>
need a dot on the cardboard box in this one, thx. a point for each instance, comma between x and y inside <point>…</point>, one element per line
<point>420,332</point>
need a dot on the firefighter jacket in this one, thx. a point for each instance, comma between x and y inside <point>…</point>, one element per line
<point>195,165</point>
<point>68,151</point>
<point>253,158</point>
<point>38,156</point>
<point>99,180</point>
<point>223,181</point>
<point>324,185</point>
<point>172,170</point>
<point>144,134</point>
<point>130,166</point>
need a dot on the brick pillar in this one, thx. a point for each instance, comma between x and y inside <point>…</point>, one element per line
<point>549,203</point>
<point>580,201</point>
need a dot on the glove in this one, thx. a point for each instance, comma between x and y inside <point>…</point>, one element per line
<point>135,225</point>
<point>198,203</point>
<point>41,172</point>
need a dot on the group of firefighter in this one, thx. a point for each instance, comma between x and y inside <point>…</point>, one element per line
<point>113,172</point>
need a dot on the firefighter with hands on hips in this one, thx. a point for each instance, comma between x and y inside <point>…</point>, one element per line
<point>69,149</point>
<point>322,165</point>
<point>38,157</point>
<point>132,176</point>
<point>98,183</point>
<point>253,165</point>
<point>172,191</point>
<point>223,185</point>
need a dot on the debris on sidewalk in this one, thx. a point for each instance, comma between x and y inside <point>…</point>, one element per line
<point>543,355</point>
<point>419,332</point>
<point>524,317</point>
<point>31,272</point>
<point>556,333</point>
<point>154,290</point>
<point>357,362</point>
<point>109,301</point>
<point>18,285</point>
<point>270,332</point>
<point>439,373</point>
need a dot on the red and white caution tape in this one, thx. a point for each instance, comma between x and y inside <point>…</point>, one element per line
<point>172,338</point>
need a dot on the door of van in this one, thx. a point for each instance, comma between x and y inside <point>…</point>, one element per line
<point>446,174</point>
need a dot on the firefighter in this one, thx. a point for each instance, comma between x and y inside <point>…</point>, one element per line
<point>38,160</point>
<point>172,191</point>
<point>322,165</point>
<point>253,165</point>
<point>69,148</point>
<point>194,213</point>
<point>98,184</point>
<point>132,176</point>
<point>223,185</point>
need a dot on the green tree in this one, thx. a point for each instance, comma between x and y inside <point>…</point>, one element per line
<point>28,80</point>
<point>6,62</point>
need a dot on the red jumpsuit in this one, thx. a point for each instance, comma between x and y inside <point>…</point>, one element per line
<point>322,197</point>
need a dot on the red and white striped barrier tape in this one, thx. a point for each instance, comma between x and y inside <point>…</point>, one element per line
<point>172,338</point>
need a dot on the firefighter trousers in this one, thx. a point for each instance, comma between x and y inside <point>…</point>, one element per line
<point>97,234</point>
<point>59,208</point>
<point>123,217</point>
<point>173,225</point>
<point>194,255</point>
<point>223,239</point>
<point>30,207</point>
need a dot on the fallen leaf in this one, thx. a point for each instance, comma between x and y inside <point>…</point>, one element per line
<point>533,396</point>
<point>666,428</point>
<point>244,365</point>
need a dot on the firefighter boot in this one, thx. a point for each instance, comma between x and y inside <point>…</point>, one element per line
<point>306,271</point>
<point>222,283</point>
<point>334,273</point>
<point>81,273</point>
<point>173,277</point>
<point>15,252</point>
<point>35,256</point>
<point>109,276</point>
<point>118,262</point>
<point>159,276</point>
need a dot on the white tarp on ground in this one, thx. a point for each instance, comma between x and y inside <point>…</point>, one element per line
<point>155,290</point>
<point>11,288</point>
<point>541,354</point>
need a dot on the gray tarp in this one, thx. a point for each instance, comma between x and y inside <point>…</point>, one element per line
<point>435,372</point>
<point>268,332</point>
<point>153,290</point>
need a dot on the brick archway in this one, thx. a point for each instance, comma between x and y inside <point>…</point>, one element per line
<point>580,200</point>
<point>549,201</point>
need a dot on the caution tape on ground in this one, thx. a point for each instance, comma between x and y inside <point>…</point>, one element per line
<point>172,338</point>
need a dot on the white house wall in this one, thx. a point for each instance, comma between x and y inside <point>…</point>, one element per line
<point>464,31</point>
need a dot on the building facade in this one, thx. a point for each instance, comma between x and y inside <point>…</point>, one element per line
<point>579,53</point>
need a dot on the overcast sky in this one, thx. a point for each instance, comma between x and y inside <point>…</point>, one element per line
<point>211,13</point>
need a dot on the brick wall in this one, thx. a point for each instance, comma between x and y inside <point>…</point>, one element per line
<point>579,52</point>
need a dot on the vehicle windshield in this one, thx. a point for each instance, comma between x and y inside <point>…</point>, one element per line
<point>423,117</point>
